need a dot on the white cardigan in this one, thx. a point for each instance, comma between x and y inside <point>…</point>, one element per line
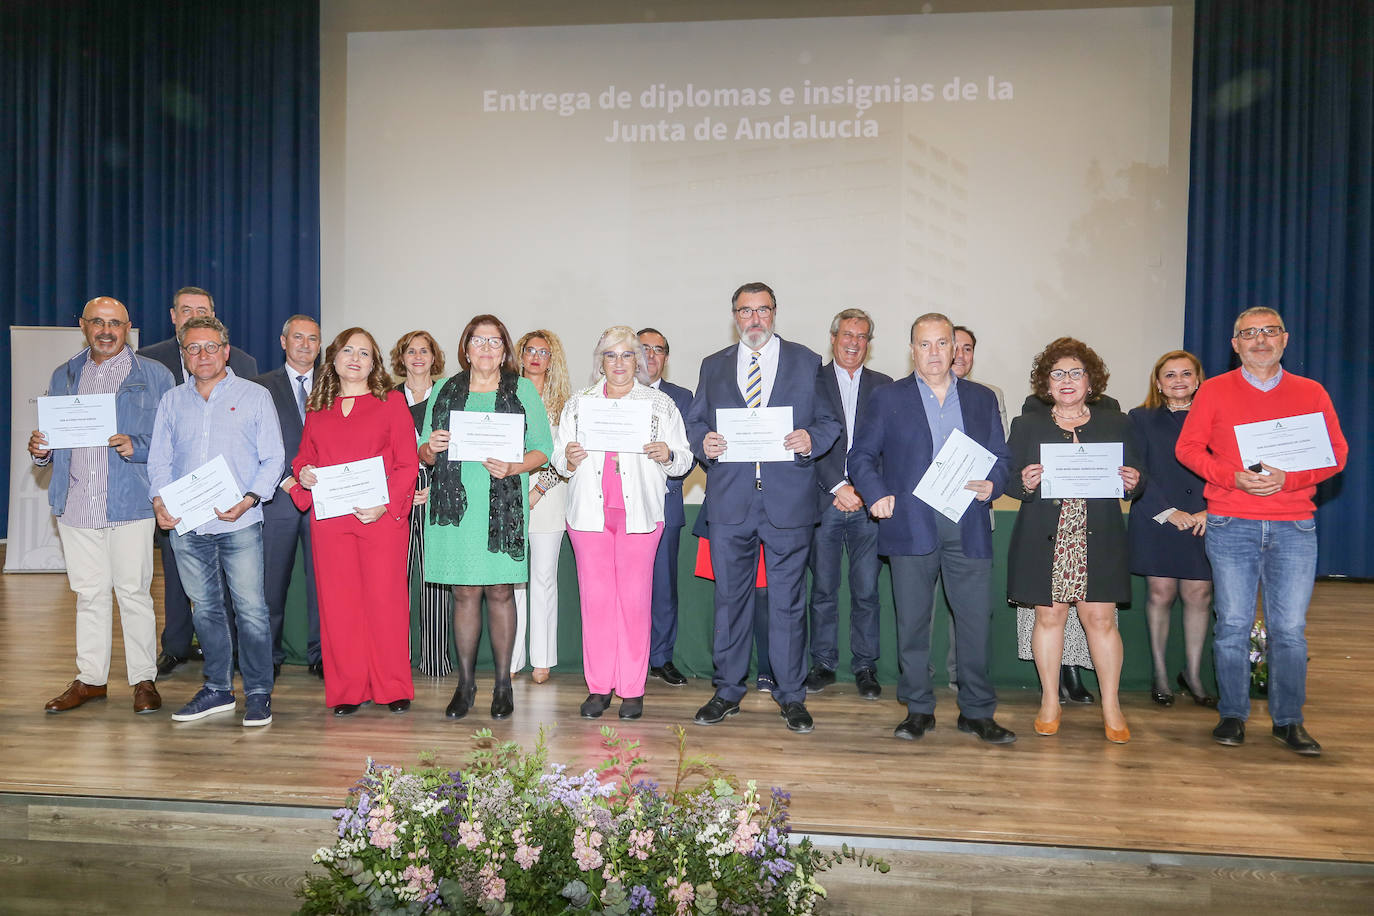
<point>643,480</point>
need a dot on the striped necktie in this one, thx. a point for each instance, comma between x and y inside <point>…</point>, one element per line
<point>753,382</point>
<point>301,396</point>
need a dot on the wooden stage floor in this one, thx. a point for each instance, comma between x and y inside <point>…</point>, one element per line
<point>1170,789</point>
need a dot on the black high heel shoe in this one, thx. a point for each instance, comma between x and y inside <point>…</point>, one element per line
<point>1162,696</point>
<point>1205,699</point>
<point>502,702</point>
<point>463,695</point>
<point>1071,689</point>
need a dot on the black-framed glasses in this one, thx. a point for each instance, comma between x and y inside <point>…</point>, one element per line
<point>1060,374</point>
<point>114,324</point>
<point>763,311</point>
<point>655,349</point>
<point>196,349</point>
<point>1269,330</point>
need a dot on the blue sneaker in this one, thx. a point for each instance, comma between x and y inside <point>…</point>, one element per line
<point>257,709</point>
<point>206,702</point>
<point>766,684</point>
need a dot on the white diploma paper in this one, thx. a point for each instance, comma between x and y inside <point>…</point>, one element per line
<point>754,433</point>
<point>1081,470</point>
<point>942,485</point>
<point>77,420</point>
<point>195,497</point>
<point>343,487</point>
<point>1298,443</point>
<point>476,436</point>
<point>613,424</point>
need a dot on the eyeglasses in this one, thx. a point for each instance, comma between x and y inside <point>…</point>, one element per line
<point>655,350</point>
<point>1060,374</point>
<point>763,311</point>
<point>196,349</point>
<point>486,343</point>
<point>114,324</point>
<point>627,356</point>
<point>537,351</point>
<point>1269,330</point>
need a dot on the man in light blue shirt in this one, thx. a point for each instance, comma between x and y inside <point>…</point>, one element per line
<point>216,413</point>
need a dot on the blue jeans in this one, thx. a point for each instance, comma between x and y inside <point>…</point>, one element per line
<point>1279,560</point>
<point>237,555</point>
<point>857,534</point>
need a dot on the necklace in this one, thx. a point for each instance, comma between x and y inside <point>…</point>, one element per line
<point>1059,416</point>
<point>1172,408</point>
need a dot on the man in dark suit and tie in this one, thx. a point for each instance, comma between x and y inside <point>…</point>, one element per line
<point>907,424</point>
<point>749,502</point>
<point>663,635</point>
<point>188,302</point>
<point>845,522</point>
<point>283,525</point>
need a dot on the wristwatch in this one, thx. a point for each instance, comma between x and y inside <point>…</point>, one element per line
<point>254,497</point>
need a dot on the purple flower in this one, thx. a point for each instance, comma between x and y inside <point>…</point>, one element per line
<point>641,900</point>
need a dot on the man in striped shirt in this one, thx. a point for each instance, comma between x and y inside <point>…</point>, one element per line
<point>104,519</point>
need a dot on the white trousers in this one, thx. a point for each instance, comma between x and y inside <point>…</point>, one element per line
<point>538,602</point>
<point>98,560</point>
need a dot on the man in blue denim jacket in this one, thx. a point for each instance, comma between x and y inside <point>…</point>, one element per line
<point>104,518</point>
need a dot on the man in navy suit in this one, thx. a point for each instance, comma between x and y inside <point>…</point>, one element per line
<point>906,425</point>
<point>845,523</point>
<point>663,637</point>
<point>187,303</point>
<point>283,525</point>
<point>772,502</point>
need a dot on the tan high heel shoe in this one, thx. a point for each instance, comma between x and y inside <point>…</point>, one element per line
<point>1046,729</point>
<point>1117,735</point>
<point>539,675</point>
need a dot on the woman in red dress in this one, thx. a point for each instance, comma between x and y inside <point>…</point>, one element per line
<point>360,557</point>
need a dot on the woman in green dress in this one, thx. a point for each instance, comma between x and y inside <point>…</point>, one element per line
<point>476,529</point>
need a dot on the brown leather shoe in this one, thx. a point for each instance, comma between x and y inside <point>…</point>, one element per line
<point>77,692</point>
<point>146,698</point>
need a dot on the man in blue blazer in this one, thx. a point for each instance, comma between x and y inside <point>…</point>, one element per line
<point>906,425</point>
<point>187,303</point>
<point>772,502</point>
<point>283,525</point>
<point>845,523</point>
<point>663,632</point>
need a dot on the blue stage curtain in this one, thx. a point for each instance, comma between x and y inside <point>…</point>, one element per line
<point>1280,214</point>
<point>147,145</point>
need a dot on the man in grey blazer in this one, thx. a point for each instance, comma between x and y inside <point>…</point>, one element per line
<point>187,303</point>
<point>772,502</point>
<point>283,525</point>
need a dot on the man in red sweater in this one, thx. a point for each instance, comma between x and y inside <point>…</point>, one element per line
<point>1261,529</point>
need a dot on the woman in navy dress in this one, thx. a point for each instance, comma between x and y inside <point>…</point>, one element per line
<point>1167,524</point>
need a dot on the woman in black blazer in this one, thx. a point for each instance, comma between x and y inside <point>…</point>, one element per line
<point>1167,525</point>
<point>1071,551</point>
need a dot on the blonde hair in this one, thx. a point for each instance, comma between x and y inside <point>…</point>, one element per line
<point>616,334</point>
<point>1153,398</point>
<point>557,387</point>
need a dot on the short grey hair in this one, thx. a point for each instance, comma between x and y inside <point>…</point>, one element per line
<point>930,318</point>
<point>1257,310</point>
<point>617,335</point>
<point>848,315</point>
<point>204,322</point>
<point>286,325</point>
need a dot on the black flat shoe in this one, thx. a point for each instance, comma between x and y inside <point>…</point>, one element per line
<point>1230,732</point>
<point>346,709</point>
<point>398,705</point>
<point>986,730</point>
<point>715,711</point>
<point>631,707</point>
<point>595,705</point>
<point>463,695</point>
<point>502,703</point>
<point>1296,739</point>
<point>1071,689</point>
<point>1205,699</point>
<point>1162,697</point>
<point>797,718</point>
<point>914,726</point>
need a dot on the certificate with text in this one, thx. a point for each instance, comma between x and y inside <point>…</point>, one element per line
<point>754,433</point>
<point>477,436</point>
<point>1081,470</point>
<point>195,497</point>
<point>613,424</point>
<point>341,488</point>
<point>942,485</point>
<point>1299,443</point>
<point>77,420</point>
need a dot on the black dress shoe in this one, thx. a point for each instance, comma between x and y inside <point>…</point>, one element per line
<point>463,695</point>
<point>987,730</point>
<point>866,679</point>
<point>631,707</point>
<point>1230,732</point>
<point>1071,689</point>
<point>595,705</point>
<point>1201,699</point>
<point>715,711</point>
<point>276,670</point>
<point>317,669</point>
<point>914,726</point>
<point>502,702</point>
<point>346,709</point>
<point>668,674</point>
<point>797,718</point>
<point>398,705</point>
<point>1296,739</point>
<point>1162,697</point>
<point>167,663</point>
<point>818,678</point>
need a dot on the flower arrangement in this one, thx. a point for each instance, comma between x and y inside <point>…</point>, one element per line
<point>512,834</point>
<point>1259,660</point>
